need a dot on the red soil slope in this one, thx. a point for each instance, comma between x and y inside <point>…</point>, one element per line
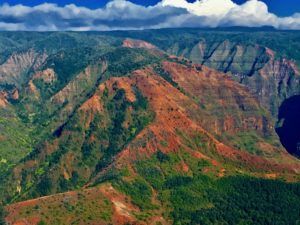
<point>179,119</point>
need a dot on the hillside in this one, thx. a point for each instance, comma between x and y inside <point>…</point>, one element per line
<point>167,128</point>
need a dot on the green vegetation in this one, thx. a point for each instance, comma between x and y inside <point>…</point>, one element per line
<point>246,141</point>
<point>116,134</point>
<point>120,65</point>
<point>51,144</point>
<point>38,117</point>
<point>180,41</point>
<point>42,222</point>
<point>235,200</point>
<point>92,206</point>
<point>92,145</point>
<point>2,215</point>
<point>139,191</point>
<point>17,140</point>
<point>250,141</point>
<point>203,199</point>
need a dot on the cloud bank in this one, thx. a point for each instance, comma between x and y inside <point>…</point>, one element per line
<point>125,15</point>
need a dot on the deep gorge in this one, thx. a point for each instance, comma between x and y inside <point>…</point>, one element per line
<point>288,125</point>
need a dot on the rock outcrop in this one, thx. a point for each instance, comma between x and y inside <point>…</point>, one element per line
<point>15,69</point>
<point>131,43</point>
<point>270,77</point>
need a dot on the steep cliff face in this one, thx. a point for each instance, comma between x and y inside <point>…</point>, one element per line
<point>271,78</point>
<point>15,70</point>
<point>266,62</point>
<point>232,106</point>
<point>278,80</point>
<point>226,56</point>
<point>131,43</point>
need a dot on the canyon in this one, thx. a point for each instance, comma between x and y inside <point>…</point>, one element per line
<point>128,122</point>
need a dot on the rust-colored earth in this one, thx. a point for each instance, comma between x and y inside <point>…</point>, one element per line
<point>182,113</point>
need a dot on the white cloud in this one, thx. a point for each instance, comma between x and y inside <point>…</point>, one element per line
<point>10,26</point>
<point>122,14</point>
<point>203,7</point>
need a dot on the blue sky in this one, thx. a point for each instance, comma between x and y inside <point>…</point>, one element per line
<point>85,15</point>
<point>279,7</point>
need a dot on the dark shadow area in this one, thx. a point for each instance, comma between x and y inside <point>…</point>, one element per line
<point>289,120</point>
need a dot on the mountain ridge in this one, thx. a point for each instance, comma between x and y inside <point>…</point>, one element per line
<point>139,121</point>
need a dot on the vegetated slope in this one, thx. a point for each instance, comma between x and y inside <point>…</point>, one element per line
<point>44,95</point>
<point>267,62</point>
<point>131,125</point>
<point>131,135</point>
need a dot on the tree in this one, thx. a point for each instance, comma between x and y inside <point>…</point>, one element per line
<point>2,215</point>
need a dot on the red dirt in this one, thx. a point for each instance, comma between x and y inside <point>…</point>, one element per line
<point>175,111</point>
<point>123,209</point>
<point>131,43</point>
<point>217,92</point>
<point>3,100</point>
